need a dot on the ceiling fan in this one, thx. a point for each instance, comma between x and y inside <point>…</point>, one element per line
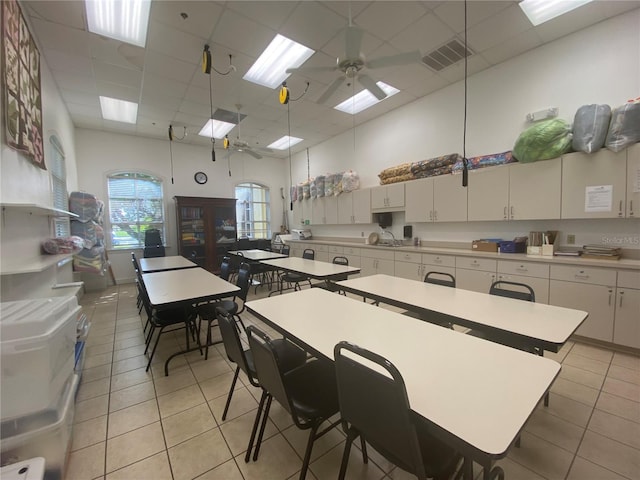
<point>238,145</point>
<point>353,62</point>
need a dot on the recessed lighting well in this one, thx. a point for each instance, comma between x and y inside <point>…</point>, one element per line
<point>118,110</point>
<point>216,129</point>
<point>365,99</point>
<point>124,20</point>
<point>283,143</point>
<point>282,53</point>
<point>540,11</point>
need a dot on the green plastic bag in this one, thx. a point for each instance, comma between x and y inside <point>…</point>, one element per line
<point>543,141</point>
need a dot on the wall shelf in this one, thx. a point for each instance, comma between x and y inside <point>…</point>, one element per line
<point>36,209</point>
<point>34,265</point>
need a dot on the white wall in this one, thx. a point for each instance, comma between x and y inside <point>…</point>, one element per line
<point>102,153</point>
<point>600,64</point>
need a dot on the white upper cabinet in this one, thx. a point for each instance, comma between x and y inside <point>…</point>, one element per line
<point>419,200</point>
<point>534,190</point>
<point>594,185</point>
<point>488,194</point>
<point>633,181</point>
<point>354,207</point>
<point>388,197</point>
<point>436,199</point>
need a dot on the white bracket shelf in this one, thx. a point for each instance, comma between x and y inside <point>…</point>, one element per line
<point>34,265</point>
<point>36,209</point>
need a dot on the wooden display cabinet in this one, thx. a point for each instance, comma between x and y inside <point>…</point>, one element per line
<point>206,229</point>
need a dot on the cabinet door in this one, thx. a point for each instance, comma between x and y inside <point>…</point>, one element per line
<point>488,194</point>
<point>368,266</point>
<point>475,280</point>
<point>298,215</point>
<point>412,271</point>
<point>345,208</point>
<point>627,325</point>
<point>361,205</point>
<point>385,267</point>
<point>379,197</point>
<point>449,199</point>
<point>581,175</point>
<point>540,286</point>
<point>330,210</point>
<point>633,181</point>
<point>598,300</point>
<point>317,211</point>
<point>419,201</point>
<point>395,195</point>
<point>534,190</point>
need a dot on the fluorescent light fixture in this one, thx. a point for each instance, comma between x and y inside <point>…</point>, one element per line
<point>216,129</point>
<point>124,20</point>
<point>270,68</point>
<point>118,110</point>
<point>365,99</point>
<point>540,11</point>
<point>283,143</point>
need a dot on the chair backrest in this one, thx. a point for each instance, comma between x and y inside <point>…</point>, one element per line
<point>436,278</point>
<point>244,277</point>
<point>134,260</point>
<point>152,237</point>
<point>285,250</point>
<point>309,254</point>
<point>341,261</point>
<point>232,343</point>
<point>503,288</point>
<point>225,268</point>
<point>265,361</point>
<point>377,405</point>
<point>244,244</point>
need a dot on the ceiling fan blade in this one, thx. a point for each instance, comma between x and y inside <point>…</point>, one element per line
<point>311,69</point>
<point>252,153</point>
<point>353,37</point>
<point>393,60</point>
<point>369,83</point>
<point>331,89</point>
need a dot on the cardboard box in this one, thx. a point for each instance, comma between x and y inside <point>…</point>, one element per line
<point>485,245</point>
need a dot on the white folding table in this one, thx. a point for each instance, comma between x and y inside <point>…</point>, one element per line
<point>160,264</point>
<point>474,395</point>
<point>536,324</point>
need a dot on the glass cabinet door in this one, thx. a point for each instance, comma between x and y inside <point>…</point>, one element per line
<point>192,232</point>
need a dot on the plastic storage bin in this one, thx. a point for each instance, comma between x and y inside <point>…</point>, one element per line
<point>37,346</point>
<point>32,469</point>
<point>43,434</point>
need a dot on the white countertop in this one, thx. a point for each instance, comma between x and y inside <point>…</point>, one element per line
<point>311,268</point>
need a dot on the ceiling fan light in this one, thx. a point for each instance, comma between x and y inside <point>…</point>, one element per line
<point>215,129</point>
<point>365,99</point>
<point>540,11</point>
<point>118,110</point>
<point>283,143</point>
<point>124,20</point>
<point>269,69</point>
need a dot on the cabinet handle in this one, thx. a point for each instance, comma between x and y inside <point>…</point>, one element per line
<point>621,295</point>
<point>631,208</point>
<point>437,260</point>
<point>610,292</point>
<point>419,269</point>
<point>504,213</point>
<point>431,215</point>
<point>620,209</point>
<point>522,269</point>
<point>581,275</point>
<point>511,212</point>
<point>435,215</point>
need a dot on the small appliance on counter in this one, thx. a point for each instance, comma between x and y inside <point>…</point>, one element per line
<point>301,234</point>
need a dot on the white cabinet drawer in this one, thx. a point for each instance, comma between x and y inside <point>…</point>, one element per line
<point>540,286</point>
<point>438,260</point>
<point>351,251</point>
<point>592,275</point>
<point>336,249</point>
<point>319,248</point>
<point>471,263</point>
<point>528,269</point>
<point>381,253</point>
<point>629,279</point>
<point>408,257</point>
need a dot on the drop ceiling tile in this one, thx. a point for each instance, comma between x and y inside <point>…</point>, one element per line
<point>84,121</point>
<point>506,24</point>
<point>427,86</point>
<point>337,47</point>
<point>426,34</point>
<point>163,116</point>
<point>386,19</point>
<point>312,24</point>
<point>73,96</point>
<point>455,72</point>
<point>70,14</point>
<point>514,46</point>
<point>159,87</point>
<point>74,82</point>
<point>242,34</point>
<point>118,53</point>
<point>408,75</point>
<point>161,101</point>
<point>84,110</point>
<point>120,92</point>
<point>55,36</point>
<point>167,67</point>
<point>105,72</point>
<point>202,110</point>
<point>269,14</point>
<point>346,8</point>
<point>59,60</point>
<point>452,13</point>
<point>175,43</point>
<point>201,16</point>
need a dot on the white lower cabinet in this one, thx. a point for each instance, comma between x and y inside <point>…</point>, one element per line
<point>627,325</point>
<point>535,275</point>
<point>590,289</point>
<point>408,265</point>
<point>476,274</point>
<point>373,262</point>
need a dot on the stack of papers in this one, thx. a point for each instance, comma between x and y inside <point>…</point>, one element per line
<point>601,252</point>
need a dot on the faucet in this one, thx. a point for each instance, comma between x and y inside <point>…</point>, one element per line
<point>393,238</point>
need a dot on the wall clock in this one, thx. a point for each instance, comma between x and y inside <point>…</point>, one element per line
<point>200,177</point>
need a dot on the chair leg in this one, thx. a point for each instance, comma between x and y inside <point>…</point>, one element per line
<point>233,386</point>
<point>363,444</point>
<point>155,345</point>
<point>265,417</point>
<point>351,436</point>
<point>241,322</point>
<point>206,347</point>
<point>148,339</point>
<point>307,453</point>
<point>256,422</point>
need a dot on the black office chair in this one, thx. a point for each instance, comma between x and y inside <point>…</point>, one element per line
<point>375,407</point>
<point>136,270</point>
<point>244,244</point>
<point>225,268</point>
<point>208,311</point>
<point>285,250</point>
<point>436,278</point>
<point>153,246</point>
<point>330,285</point>
<point>290,355</point>
<point>308,393</point>
<point>297,278</point>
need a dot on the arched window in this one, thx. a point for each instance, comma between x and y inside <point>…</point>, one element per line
<point>135,205</point>
<point>58,173</point>
<point>253,211</point>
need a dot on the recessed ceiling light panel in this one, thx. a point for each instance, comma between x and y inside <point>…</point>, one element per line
<point>118,110</point>
<point>283,143</point>
<point>540,11</point>
<point>124,20</point>
<point>282,53</point>
<point>216,129</point>
<point>365,99</point>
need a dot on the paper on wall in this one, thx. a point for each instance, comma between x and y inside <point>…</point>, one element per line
<point>598,198</point>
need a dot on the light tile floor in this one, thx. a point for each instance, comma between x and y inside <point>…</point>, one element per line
<point>133,425</point>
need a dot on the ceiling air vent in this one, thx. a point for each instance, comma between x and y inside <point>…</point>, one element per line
<point>446,55</point>
<point>227,116</point>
